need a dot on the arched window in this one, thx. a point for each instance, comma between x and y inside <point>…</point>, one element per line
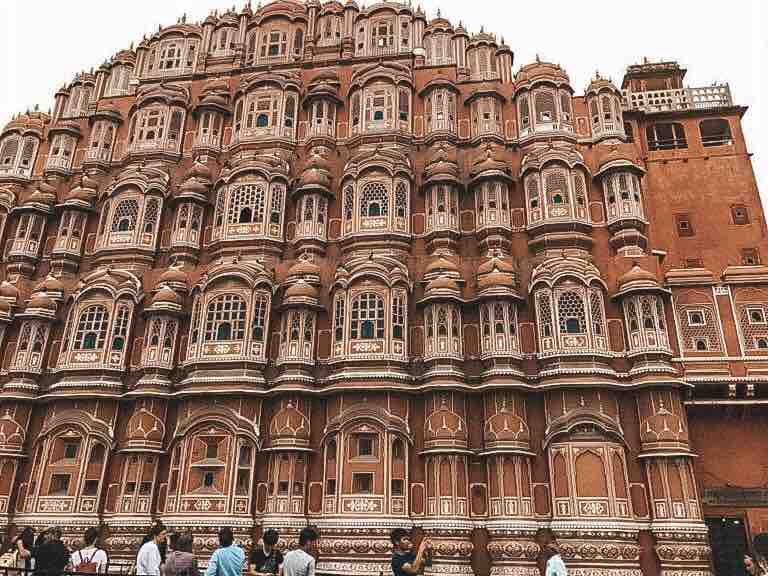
<point>525,112</point>
<point>225,318</point>
<point>290,112</point>
<point>259,327</point>
<point>374,200</point>
<point>571,314</point>
<point>557,187</point>
<point>367,319</point>
<point>92,328</point>
<point>666,136</point>
<point>246,204</point>
<point>715,132</point>
<point>545,107</point>
<point>298,42</point>
<point>401,200</point>
<point>125,215</point>
<point>565,106</point>
<point>404,104</point>
<point>338,320</point>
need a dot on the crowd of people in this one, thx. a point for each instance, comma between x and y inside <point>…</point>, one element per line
<point>165,553</point>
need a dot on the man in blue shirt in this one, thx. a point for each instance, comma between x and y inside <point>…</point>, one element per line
<point>228,559</point>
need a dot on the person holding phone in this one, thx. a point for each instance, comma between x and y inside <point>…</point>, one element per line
<point>406,562</point>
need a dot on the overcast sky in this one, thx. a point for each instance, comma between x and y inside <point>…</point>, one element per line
<point>45,43</point>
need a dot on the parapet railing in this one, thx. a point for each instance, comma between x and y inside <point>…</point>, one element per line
<point>708,97</point>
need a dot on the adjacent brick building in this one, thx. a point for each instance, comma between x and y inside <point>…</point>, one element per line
<point>338,265</point>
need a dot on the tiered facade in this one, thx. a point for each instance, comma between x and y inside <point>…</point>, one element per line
<point>337,265</point>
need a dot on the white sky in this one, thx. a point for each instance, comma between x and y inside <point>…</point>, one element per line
<point>44,43</point>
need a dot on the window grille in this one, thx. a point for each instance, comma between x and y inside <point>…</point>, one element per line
<point>151,214</point>
<point>571,316</point>
<point>278,191</point>
<point>401,200</point>
<point>544,307</point>
<point>398,317</point>
<point>121,328</point>
<point>557,187</point>
<point>339,319</point>
<point>92,328</point>
<point>545,106</point>
<point>225,319</point>
<point>374,200</point>
<point>259,318</point>
<point>596,309</point>
<point>125,215</point>
<point>367,320</point>
<point>246,204</point>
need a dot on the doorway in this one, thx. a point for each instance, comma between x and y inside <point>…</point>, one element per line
<point>728,538</point>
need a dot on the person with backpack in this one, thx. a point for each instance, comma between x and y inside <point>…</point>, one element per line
<point>181,561</point>
<point>228,559</point>
<point>91,558</point>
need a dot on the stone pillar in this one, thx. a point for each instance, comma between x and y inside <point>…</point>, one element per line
<point>676,522</point>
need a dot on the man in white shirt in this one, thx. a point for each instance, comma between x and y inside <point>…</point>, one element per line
<point>300,562</point>
<point>90,558</point>
<point>550,562</point>
<point>148,560</point>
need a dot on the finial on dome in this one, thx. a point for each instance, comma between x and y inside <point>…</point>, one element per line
<point>538,58</point>
<point>439,13</point>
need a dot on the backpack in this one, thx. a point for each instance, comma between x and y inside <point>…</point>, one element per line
<point>87,566</point>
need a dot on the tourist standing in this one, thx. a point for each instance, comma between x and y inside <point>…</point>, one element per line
<point>406,562</point>
<point>90,559</point>
<point>301,562</point>
<point>265,557</point>
<point>549,562</point>
<point>149,560</point>
<point>181,561</point>
<point>52,556</point>
<point>228,559</point>
<point>23,546</point>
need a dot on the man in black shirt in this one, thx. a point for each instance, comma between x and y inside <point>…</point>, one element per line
<point>404,561</point>
<point>52,556</point>
<point>265,558</point>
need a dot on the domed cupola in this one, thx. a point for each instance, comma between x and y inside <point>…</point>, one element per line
<point>642,299</point>
<point>442,187</point>
<point>312,195</point>
<point>490,181</point>
<point>555,179</point>
<point>190,202</point>
<point>605,103</point>
<point>445,428</point>
<point>19,143</point>
<point>499,302</point>
<point>322,102</point>
<point>299,308</point>
<point>442,303</point>
<point>621,175</point>
<point>163,315</point>
<point>543,98</point>
<point>9,297</point>
<point>210,112</point>
<point>33,215</point>
<point>78,205</point>
<point>34,334</point>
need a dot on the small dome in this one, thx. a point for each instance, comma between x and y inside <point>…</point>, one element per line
<point>41,196</point>
<point>166,295</point>
<point>41,301</point>
<point>496,263</point>
<point>488,164</point>
<point>304,268</point>
<point>637,276</point>
<point>496,279</point>
<point>539,70</point>
<point>599,83</point>
<point>619,157</point>
<point>173,275</point>
<point>8,290</point>
<point>441,264</point>
<point>316,175</point>
<point>199,170</point>
<point>301,289</point>
<point>51,284</point>
<point>442,285</point>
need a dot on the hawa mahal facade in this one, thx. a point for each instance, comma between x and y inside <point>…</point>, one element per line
<point>338,265</point>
